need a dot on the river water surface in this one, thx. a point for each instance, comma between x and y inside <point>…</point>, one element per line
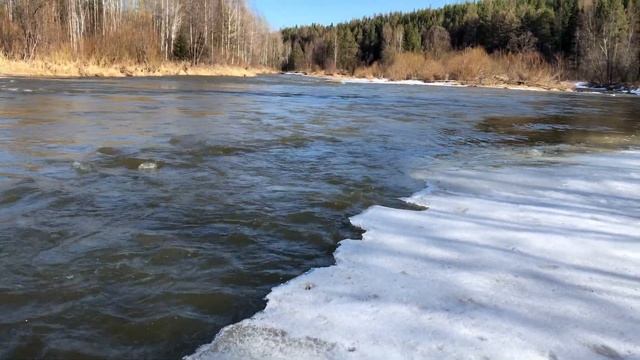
<point>140,216</point>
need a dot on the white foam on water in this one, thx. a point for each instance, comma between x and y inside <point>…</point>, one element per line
<point>17,89</point>
<point>506,263</point>
<point>82,167</point>
<point>535,152</point>
<point>148,165</point>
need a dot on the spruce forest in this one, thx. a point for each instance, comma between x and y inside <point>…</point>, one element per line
<point>523,41</point>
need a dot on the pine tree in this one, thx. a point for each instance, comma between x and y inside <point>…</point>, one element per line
<point>296,59</point>
<point>181,48</point>
<point>412,41</point>
<point>347,50</point>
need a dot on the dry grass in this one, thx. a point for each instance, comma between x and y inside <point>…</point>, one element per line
<point>410,66</point>
<point>472,66</point>
<point>529,68</point>
<point>61,65</point>
<point>370,72</point>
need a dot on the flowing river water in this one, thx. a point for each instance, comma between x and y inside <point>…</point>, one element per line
<point>140,216</point>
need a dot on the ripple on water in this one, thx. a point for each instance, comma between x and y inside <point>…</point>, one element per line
<point>108,150</point>
<point>18,193</point>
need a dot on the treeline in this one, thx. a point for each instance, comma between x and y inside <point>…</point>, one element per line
<point>594,39</point>
<point>139,31</point>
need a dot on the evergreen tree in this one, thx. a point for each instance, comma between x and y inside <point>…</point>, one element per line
<point>347,50</point>
<point>181,48</point>
<point>296,58</point>
<point>412,41</point>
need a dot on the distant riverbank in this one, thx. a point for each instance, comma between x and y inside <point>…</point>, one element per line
<point>560,86</point>
<point>563,86</point>
<point>47,68</point>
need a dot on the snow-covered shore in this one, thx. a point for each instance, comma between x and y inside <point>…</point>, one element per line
<point>587,87</point>
<point>446,83</point>
<point>539,262</point>
<point>397,82</point>
<point>579,86</point>
<point>566,86</point>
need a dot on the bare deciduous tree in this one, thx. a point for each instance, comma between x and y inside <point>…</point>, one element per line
<point>608,41</point>
<point>138,30</point>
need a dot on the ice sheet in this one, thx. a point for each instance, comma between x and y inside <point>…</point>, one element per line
<point>506,263</point>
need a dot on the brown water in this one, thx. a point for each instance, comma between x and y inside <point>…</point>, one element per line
<point>254,182</point>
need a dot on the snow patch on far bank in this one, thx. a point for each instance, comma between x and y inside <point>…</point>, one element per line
<point>400,82</point>
<point>507,263</point>
<point>444,83</point>
<point>591,88</point>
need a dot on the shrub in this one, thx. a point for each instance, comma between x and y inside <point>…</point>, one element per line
<point>528,67</point>
<point>370,72</point>
<point>411,66</point>
<point>472,64</point>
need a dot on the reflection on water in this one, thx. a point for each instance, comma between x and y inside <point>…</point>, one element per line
<point>253,182</point>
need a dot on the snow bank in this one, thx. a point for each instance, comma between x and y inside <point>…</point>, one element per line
<point>294,73</point>
<point>445,83</point>
<point>595,89</point>
<point>507,263</point>
<point>399,82</point>
<point>581,85</point>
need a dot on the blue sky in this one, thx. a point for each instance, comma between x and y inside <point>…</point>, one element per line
<point>281,13</point>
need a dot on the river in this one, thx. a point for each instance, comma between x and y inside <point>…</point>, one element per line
<point>139,216</point>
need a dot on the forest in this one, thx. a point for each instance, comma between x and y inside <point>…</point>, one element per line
<point>519,40</point>
<point>138,31</point>
<point>513,41</point>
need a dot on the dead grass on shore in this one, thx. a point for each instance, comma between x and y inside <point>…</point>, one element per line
<point>472,66</point>
<point>61,67</point>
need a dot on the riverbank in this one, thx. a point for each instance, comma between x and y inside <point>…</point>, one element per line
<point>47,68</point>
<point>558,87</point>
<point>468,68</point>
<point>528,262</point>
<point>563,86</point>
